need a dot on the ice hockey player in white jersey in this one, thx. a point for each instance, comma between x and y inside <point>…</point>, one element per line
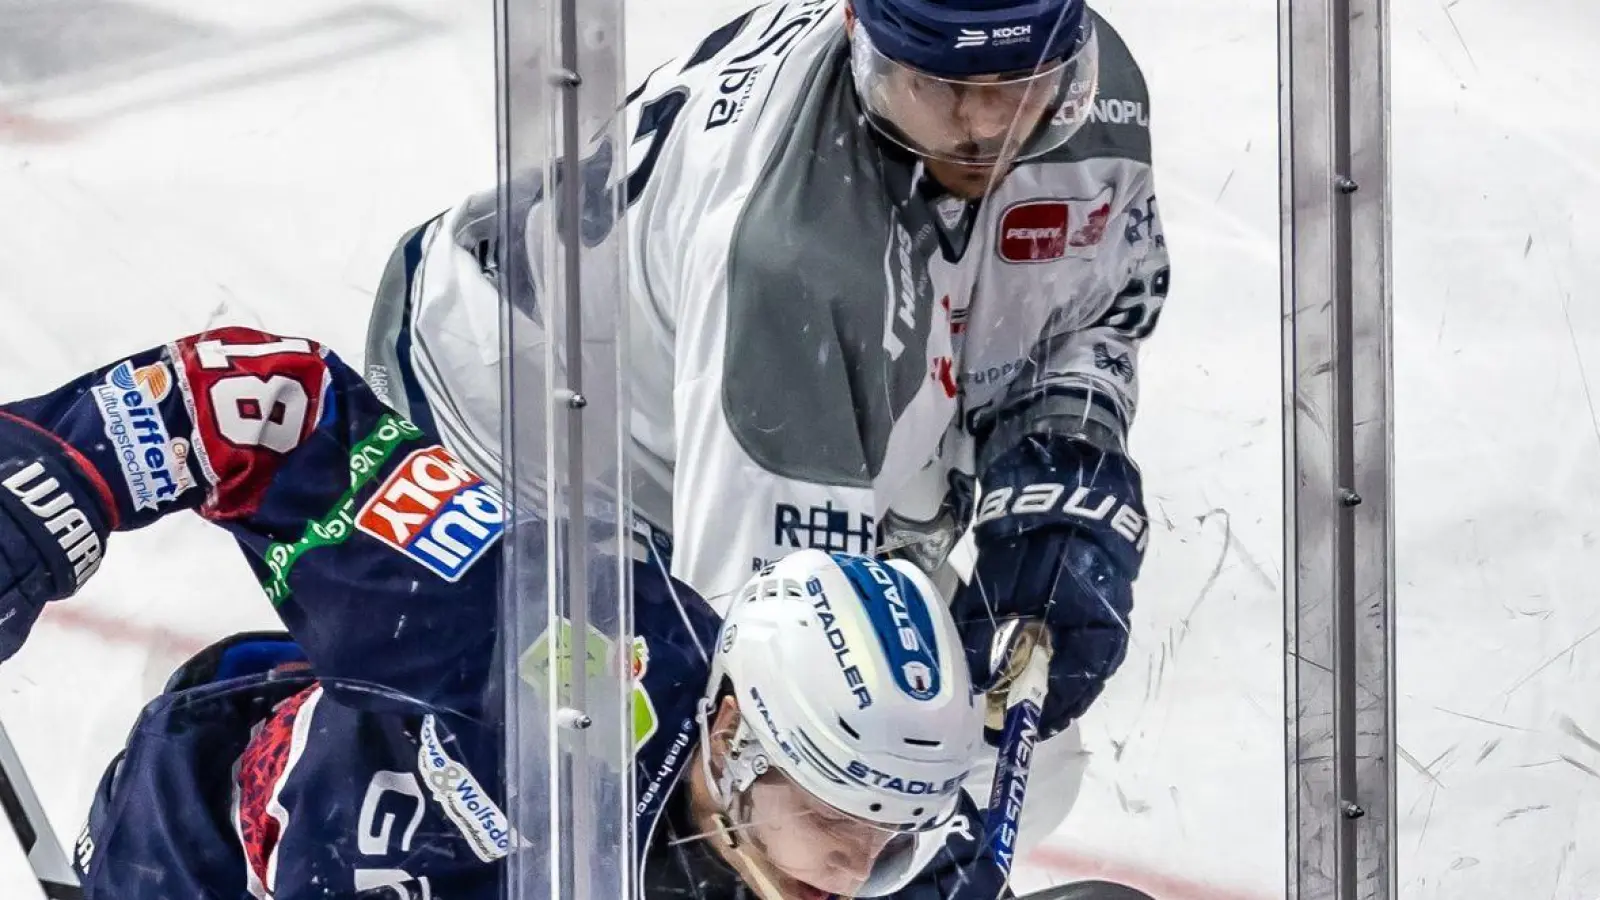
<point>888,266</point>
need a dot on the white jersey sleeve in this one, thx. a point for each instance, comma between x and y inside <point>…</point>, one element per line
<point>1082,376</point>
<point>434,341</point>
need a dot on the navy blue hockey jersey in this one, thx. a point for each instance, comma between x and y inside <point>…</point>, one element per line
<point>361,754</point>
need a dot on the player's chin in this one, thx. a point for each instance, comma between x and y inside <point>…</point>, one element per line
<point>817,884</point>
<point>966,180</point>
<point>795,889</point>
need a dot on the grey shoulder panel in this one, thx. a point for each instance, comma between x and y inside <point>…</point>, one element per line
<point>1119,123</point>
<point>392,348</point>
<point>387,328</point>
<point>817,368</point>
<point>477,227</point>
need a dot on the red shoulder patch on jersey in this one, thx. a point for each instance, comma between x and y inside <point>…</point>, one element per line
<point>253,397</point>
<point>1034,231</point>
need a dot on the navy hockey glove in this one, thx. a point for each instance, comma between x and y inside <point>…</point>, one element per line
<point>1060,533</point>
<point>52,528</point>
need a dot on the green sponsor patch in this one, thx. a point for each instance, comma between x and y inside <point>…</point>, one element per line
<point>366,459</point>
<point>600,661</point>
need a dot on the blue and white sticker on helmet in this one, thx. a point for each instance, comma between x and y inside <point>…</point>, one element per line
<point>899,616</point>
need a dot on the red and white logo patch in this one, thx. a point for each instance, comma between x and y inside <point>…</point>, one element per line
<point>436,511</point>
<point>1089,227</point>
<point>1034,231</point>
<point>1043,230</point>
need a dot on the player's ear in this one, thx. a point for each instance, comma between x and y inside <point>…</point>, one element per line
<point>727,720</point>
<point>723,727</point>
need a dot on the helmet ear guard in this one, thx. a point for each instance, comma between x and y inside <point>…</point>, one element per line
<point>745,761</point>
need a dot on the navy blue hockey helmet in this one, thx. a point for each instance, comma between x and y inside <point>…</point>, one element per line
<point>961,38</point>
<point>975,82</point>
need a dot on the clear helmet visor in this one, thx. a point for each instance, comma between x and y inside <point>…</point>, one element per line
<point>808,849</point>
<point>980,120</point>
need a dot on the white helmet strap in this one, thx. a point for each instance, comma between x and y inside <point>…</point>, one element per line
<point>746,760</point>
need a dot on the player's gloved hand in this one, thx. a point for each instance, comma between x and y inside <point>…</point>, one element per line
<point>1060,533</point>
<point>52,529</point>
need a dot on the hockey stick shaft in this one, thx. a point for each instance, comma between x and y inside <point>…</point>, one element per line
<point>1020,732</point>
<point>45,854</point>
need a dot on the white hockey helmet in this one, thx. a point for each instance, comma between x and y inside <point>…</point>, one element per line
<point>851,681</point>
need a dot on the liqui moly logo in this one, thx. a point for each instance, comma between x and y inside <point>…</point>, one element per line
<point>436,511</point>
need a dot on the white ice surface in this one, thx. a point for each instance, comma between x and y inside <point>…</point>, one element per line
<point>259,171</point>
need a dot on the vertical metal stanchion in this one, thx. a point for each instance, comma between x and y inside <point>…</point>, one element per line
<point>560,263</point>
<point>1338,449</point>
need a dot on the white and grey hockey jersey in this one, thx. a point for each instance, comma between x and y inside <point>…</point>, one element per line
<point>825,348</point>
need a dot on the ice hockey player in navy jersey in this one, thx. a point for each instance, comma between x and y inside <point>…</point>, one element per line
<point>358,754</point>
<point>877,253</point>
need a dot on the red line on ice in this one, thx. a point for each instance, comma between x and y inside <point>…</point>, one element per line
<point>22,128</point>
<point>1081,866</point>
<point>119,630</point>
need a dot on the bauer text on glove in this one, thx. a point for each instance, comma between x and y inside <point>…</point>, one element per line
<point>1060,533</point>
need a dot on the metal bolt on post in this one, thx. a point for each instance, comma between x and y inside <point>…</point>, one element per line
<point>573,719</point>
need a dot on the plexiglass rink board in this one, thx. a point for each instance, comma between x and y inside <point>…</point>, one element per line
<point>169,167</point>
<point>1497,457</point>
<point>1182,793</point>
<point>272,184</point>
<point>569,663</point>
<point>1182,787</point>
